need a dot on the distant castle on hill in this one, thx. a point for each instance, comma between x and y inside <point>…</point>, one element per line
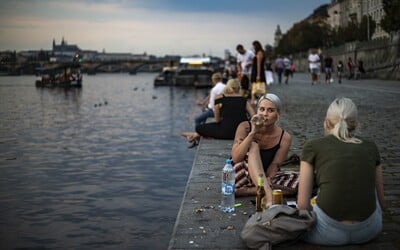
<point>64,46</point>
<point>65,52</point>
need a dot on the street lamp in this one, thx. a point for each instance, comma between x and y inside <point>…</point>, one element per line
<point>368,21</point>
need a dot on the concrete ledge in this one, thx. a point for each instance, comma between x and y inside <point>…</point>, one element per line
<point>201,225</point>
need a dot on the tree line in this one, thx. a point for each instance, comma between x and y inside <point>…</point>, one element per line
<point>318,34</point>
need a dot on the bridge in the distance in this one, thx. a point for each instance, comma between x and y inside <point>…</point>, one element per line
<point>132,66</point>
<point>106,66</point>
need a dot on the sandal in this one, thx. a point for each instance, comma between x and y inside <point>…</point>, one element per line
<point>194,144</point>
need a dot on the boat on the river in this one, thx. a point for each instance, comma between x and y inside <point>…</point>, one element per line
<point>192,71</point>
<point>166,77</point>
<point>59,75</point>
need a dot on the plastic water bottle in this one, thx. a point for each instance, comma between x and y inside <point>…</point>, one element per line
<point>228,188</point>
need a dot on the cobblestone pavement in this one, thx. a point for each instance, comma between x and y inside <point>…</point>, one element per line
<point>201,226</point>
<point>305,105</point>
<point>378,102</point>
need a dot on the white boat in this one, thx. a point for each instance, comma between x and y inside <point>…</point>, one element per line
<point>194,71</point>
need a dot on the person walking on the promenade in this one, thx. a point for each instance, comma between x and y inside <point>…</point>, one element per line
<point>263,144</point>
<point>315,65</point>
<point>258,68</point>
<point>217,89</point>
<point>360,67</point>
<point>350,67</point>
<point>269,74</point>
<point>328,63</point>
<point>348,173</point>
<point>340,71</point>
<point>292,69</point>
<point>279,67</point>
<point>230,110</point>
<point>286,62</point>
<point>244,60</point>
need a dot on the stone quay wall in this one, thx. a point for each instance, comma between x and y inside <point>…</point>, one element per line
<point>381,57</point>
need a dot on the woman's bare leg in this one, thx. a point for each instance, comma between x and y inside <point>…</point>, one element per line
<point>256,168</point>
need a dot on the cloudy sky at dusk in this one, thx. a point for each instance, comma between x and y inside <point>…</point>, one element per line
<point>157,27</point>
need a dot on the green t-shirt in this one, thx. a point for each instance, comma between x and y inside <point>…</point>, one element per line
<point>345,176</point>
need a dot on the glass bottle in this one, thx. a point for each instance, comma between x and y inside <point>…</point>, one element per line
<point>260,196</point>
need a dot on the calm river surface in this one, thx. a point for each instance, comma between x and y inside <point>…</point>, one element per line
<point>77,175</point>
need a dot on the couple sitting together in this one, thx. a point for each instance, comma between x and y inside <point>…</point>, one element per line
<point>345,169</point>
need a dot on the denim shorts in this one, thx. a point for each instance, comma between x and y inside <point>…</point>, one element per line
<point>330,232</point>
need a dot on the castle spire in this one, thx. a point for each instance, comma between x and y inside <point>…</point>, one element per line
<point>278,36</point>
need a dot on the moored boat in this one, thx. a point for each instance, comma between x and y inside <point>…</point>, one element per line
<point>59,75</point>
<point>166,77</point>
<point>194,71</point>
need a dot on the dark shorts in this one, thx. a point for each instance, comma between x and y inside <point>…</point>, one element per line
<point>315,71</point>
<point>245,82</point>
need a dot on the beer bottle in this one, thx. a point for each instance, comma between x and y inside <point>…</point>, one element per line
<point>260,196</point>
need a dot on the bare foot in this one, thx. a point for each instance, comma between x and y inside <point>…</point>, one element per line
<point>194,137</point>
<point>187,135</point>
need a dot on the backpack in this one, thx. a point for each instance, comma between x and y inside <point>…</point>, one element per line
<point>275,225</point>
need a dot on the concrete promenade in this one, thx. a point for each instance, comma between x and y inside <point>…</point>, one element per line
<point>200,225</point>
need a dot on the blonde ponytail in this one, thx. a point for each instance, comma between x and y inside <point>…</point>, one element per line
<point>342,116</point>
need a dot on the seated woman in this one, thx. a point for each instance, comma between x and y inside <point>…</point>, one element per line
<point>264,143</point>
<point>348,172</point>
<point>229,111</point>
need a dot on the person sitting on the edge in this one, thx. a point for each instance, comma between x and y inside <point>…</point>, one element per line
<point>230,110</point>
<point>348,172</point>
<point>265,145</point>
<point>209,101</point>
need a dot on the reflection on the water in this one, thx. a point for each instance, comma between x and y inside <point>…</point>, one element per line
<point>98,167</point>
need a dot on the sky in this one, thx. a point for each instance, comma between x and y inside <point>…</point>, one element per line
<point>155,27</point>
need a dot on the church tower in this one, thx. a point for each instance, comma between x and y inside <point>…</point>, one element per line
<point>278,36</point>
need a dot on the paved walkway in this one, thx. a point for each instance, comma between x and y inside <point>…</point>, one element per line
<point>200,225</point>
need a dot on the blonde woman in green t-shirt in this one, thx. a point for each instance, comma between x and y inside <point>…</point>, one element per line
<point>348,173</point>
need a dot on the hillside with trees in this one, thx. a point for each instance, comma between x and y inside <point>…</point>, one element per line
<point>315,32</point>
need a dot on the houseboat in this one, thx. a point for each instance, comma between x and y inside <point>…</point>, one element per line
<point>59,75</point>
<point>194,71</point>
<point>166,77</point>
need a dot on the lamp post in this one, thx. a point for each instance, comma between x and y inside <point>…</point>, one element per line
<point>368,21</point>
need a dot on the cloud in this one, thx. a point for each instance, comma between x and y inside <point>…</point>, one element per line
<point>156,27</point>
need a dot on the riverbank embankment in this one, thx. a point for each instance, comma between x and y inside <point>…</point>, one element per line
<point>200,224</point>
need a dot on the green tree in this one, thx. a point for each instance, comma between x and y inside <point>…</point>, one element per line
<point>268,50</point>
<point>305,35</point>
<point>366,28</point>
<point>318,34</point>
<point>354,31</point>
<point>347,34</point>
<point>391,21</point>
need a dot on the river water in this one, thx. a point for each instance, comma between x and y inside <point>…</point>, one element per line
<point>99,167</point>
